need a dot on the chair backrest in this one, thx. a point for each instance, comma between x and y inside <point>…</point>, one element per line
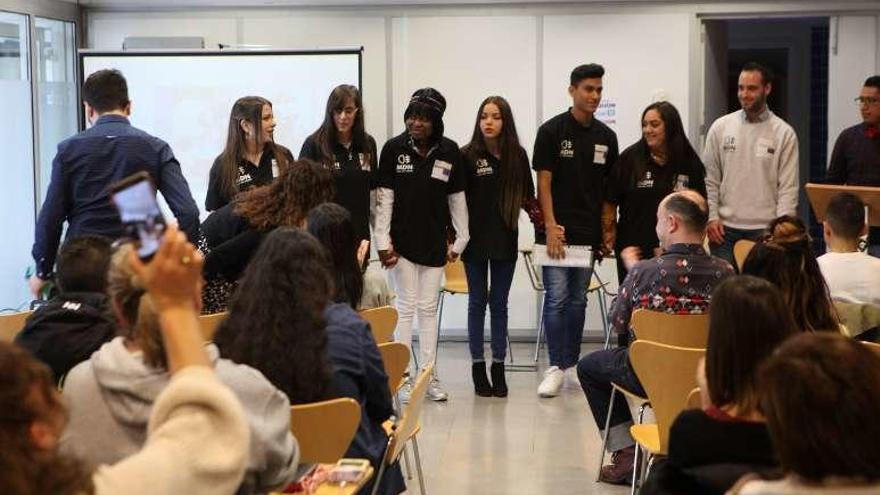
<point>11,324</point>
<point>535,275</point>
<point>873,346</point>
<point>395,357</point>
<point>456,281</point>
<point>409,422</point>
<point>210,323</point>
<point>382,320</point>
<point>671,329</point>
<point>694,400</point>
<point>858,318</point>
<point>668,374</point>
<point>741,251</point>
<point>324,430</point>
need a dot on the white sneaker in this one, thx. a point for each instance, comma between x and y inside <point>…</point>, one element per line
<point>405,391</point>
<point>552,382</point>
<point>435,392</point>
<point>571,378</point>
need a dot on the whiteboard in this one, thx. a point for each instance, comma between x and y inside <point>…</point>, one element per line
<point>184,97</point>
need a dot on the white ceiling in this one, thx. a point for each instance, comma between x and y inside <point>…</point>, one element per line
<point>326,3</point>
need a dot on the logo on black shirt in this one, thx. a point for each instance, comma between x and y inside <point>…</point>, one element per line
<point>647,181</point>
<point>566,149</point>
<point>483,167</point>
<point>337,166</point>
<point>404,164</point>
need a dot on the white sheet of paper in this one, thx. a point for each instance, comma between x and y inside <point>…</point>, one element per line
<point>575,257</point>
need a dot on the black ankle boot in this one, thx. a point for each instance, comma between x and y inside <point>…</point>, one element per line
<point>481,382</point>
<point>499,385</point>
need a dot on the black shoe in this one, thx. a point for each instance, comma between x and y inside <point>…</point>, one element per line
<point>482,387</point>
<point>499,386</point>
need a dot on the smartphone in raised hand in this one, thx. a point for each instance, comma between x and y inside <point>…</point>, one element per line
<point>142,220</point>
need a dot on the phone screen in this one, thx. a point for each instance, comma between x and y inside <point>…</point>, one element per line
<point>141,217</point>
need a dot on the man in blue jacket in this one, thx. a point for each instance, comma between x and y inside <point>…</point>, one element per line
<point>88,163</point>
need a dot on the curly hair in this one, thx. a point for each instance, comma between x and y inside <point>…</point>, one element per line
<point>140,319</point>
<point>276,317</point>
<point>783,257</point>
<point>26,395</point>
<point>285,202</point>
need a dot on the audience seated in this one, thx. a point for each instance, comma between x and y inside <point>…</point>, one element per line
<point>819,394</point>
<point>71,326</point>
<point>712,447</point>
<point>852,276</point>
<point>331,225</point>
<point>283,322</point>
<point>784,257</point>
<point>680,281</point>
<point>198,439</point>
<point>112,395</point>
<point>233,233</point>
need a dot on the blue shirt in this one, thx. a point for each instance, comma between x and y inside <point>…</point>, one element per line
<point>79,192</point>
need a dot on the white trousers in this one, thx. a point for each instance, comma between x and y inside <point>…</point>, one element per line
<point>418,291</point>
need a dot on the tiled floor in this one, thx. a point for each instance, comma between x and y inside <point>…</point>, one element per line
<point>514,446</point>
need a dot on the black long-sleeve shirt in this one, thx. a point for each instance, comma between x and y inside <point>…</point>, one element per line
<point>855,161</point>
<point>79,191</point>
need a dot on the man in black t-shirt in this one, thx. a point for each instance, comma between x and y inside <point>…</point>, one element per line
<point>573,153</point>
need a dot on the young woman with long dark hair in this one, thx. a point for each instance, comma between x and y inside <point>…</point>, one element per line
<point>250,158</point>
<point>343,144</point>
<point>661,162</point>
<point>499,183</point>
<point>331,225</point>
<point>283,321</point>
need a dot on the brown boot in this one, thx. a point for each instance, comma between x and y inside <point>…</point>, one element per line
<point>620,471</point>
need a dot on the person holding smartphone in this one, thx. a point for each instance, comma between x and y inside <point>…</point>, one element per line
<point>343,144</point>
<point>421,192</point>
<point>499,185</point>
<point>573,153</point>
<point>250,158</point>
<point>89,162</point>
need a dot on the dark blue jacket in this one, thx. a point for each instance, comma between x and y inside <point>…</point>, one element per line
<point>84,168</point>
<point>358,373</point>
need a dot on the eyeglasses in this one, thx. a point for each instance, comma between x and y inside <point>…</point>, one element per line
<point>346,111</point>
<point>866,100</point>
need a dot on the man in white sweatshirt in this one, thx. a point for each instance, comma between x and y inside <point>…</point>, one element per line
<point>751,159</point>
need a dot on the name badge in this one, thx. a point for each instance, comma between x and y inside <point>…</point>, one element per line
<point>765,148</point>
<point>275,171</point>
<point>441,170</point>
<point>682,182</point>
<point>600,153</point>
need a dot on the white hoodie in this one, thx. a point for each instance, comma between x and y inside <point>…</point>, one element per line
<point>111,397</point>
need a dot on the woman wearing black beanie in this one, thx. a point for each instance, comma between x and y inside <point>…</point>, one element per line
<point>421,184</point>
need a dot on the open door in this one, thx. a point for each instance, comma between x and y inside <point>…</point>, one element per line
<point>713,37</point>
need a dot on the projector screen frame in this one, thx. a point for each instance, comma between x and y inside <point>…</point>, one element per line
<point>207,52</point>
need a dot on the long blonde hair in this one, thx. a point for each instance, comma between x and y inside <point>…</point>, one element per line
<point>139,320</point>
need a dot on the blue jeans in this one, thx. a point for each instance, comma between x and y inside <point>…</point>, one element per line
<point>596,371</point>
<point>731,235</point>
<point>482,291</point>
<point>565,308</point>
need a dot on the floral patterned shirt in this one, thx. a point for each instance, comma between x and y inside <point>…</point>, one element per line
<point>678,281</point>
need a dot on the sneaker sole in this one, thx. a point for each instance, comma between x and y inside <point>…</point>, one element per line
<point>438,399</point>
<point>545,395</point>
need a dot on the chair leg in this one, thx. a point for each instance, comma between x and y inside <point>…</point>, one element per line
<point>509,349</point>
<point>439,322</point>
<point>406,464</point>
<point>603,309</point>
<point>415,442</point>
<point>605,434</point>
<point>381,469</point>
<point>538,341</point>
<point>636,462</point>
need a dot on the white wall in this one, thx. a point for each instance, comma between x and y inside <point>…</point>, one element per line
<point>855,55</point>
<point>523,52</point>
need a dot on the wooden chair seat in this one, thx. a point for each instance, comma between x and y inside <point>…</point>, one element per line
<point>648,436</point>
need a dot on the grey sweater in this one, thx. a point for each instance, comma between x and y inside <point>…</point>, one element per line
<point>111,397</point>
<point>751,170</point>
